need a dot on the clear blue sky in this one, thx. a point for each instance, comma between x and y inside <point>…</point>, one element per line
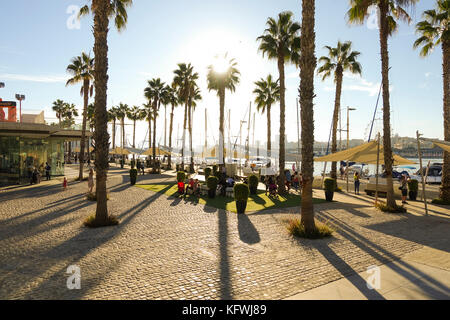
<point>37,45</point>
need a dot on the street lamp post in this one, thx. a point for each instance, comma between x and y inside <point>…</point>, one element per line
<point>2,84</point>
<point>20,97</point>
<point>348,135</point>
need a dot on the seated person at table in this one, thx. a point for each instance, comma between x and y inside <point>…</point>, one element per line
<point>272,188</point>
<point>190,186</point>
<point>196,186</point>
<point>230,182</point>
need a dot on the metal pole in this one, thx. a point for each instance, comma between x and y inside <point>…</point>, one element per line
<point>248,133</point>
<point>298,136</point>
<point>421,174</point>
<point>206,134</point>
<point>377,172</point>
<point>348,126</point>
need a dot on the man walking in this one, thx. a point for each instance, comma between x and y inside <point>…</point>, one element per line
<point>47,171</point>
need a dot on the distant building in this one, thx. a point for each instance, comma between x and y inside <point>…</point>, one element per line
<point>30,144</point>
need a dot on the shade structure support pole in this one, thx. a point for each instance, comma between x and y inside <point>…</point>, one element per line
<point>421,174</point>
<point>378,166</point>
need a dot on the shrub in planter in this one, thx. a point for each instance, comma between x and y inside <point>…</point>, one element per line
<point>147,163</point>
<point>207,173</point>
<point>214,169</point>
<point>133,176</point>
<point>181,176</point>
<point>122,163</point>
<point>212,186</point>
<point>133,163</point>
<point>253,184</point>
<point>241,193</point>
<point>329,185</point>
<point>413,187</point>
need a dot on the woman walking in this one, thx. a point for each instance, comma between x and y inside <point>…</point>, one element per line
<point>356,178</point>
<point>404,188</point>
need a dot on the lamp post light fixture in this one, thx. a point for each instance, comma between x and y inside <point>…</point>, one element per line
<point>20,97</point>
<point>348,136</point>
<point>2,84</point>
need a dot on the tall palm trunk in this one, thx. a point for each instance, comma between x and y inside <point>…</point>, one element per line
<point>184,131</point>
<point>307,67</point>
<point>122,121</point>
<point>191,166</point>
<point>154,135</point>
<point>337,106</point>
<point>149,132</point>
<point>101,117</point>
<point>134,136</point>
<point>221,128</point>
<point>269,134</point>
<point>83,129</point>
<point>445,187</point>
<point>170,138</point>
<point>281,186</point>
<point>114,134</point>
<point>386,106</point>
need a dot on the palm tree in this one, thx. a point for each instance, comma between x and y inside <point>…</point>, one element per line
<point>389,11</point>
<point>112,116</point>
<point>174,101</point>
<point>103,10</point>
<point>90,117</point>
<point>221,77</point>
<point>184,76</point>
<point>339,60</point>
<point>154,92</point>
<point>147,114</point>
<point>307,66</point>
<point>281,42</point>
<point>122,110</point>
<point>194,96</point>
<point>435,31</point>
<point>58,107</point>
<point>134,114</point>
<point>82,70</point>
<point>267,93</point>
<point>69,113</point>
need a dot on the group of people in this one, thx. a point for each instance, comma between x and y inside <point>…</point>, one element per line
<point>291,180</point>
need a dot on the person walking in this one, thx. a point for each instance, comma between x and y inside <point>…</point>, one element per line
<point>91,180</point>
<point>47,171</point>
<point>65,184</point>
<point>356,177</point>
<point>288,179</point>
<point>404,188</point>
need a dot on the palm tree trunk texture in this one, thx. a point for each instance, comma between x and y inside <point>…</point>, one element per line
<point>191,165</point>
<point>134,136</point>
<point>445,188</point>
<point>221,128</point>
<point>184,132</point>
<point>83,129</point>
<point>269,133</point>
<point>307,67</point>
<point>101,121</point>
<point>154,136</point>
<point>114,134</point>
<point>123,137</point>
<point>170,138</point>
<point>337,105</point>
<point>149,132</point>
<point>281,186</point>
<point>386,106</point>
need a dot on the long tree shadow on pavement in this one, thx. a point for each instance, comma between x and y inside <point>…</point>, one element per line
<point>425,282</point>
<point>75,249</point>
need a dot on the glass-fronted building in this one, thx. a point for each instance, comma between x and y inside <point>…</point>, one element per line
<point>25,146</point>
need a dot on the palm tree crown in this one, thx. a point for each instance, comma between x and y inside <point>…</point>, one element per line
<point>117,10</point>
<point>81,68</point>
<point>281,37</point>
<point>267,93</point>
<point>434,30</point>
<point>339,59</point>
<point>218,80</point>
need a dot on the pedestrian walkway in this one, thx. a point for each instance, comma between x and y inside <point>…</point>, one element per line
<point>419,275</point>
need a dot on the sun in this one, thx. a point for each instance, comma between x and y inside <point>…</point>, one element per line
<point>221,64</point>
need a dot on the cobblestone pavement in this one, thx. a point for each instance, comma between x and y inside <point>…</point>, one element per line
<point>165,248</point>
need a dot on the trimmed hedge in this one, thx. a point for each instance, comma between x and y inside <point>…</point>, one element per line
<point>329,184</point>
<point>181,176</point>
<point>212,182</point>
<point>241,192</point>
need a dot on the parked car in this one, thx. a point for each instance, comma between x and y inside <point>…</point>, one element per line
<point>434,174</point>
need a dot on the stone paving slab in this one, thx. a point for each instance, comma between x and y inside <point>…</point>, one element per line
<point>166,248</point>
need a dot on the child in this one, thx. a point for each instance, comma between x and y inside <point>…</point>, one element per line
<point>65,184</point>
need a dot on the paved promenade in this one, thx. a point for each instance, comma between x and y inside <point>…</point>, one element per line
<point>166,248</point>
